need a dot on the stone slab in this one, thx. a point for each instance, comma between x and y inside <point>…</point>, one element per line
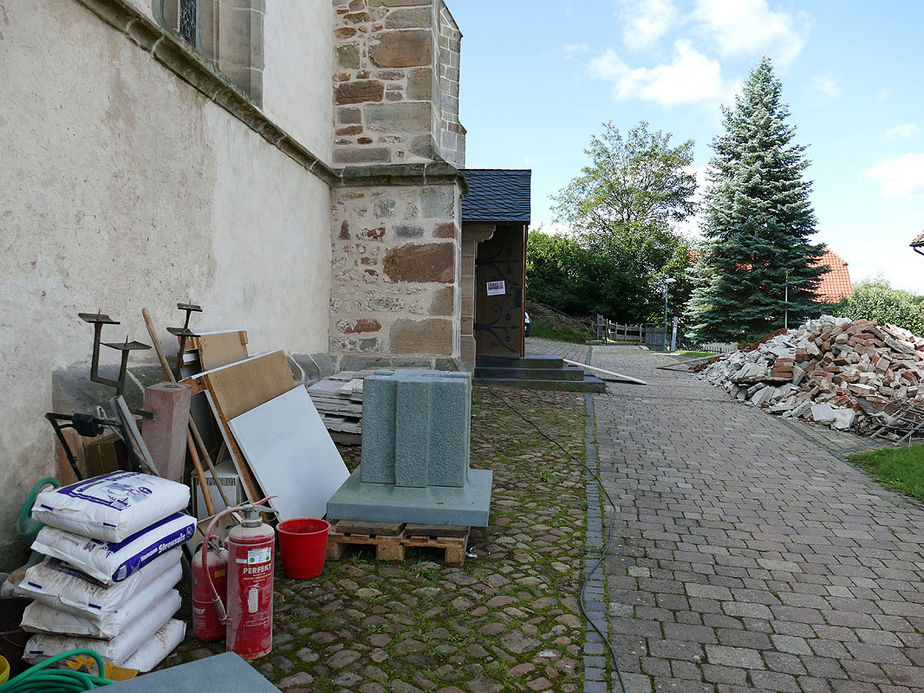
<point>225,672</point>
<point>468,506</point>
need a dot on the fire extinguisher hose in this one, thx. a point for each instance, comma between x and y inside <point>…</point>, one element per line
<point>41,679</point>
<point>220,610</point>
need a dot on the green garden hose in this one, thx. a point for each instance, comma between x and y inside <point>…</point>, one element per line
<point>25,525</point>
<point>41,679</point>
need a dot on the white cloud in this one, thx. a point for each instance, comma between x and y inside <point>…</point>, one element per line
<point>901,177</point>
<point>825,86</point>
<point>750,27</point>
<point>572,50</point>
<point>644,22</point>
<point>904,131</point>
<point>690,78</point>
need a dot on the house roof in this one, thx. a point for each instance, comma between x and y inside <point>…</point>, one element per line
<point>496,195</point>
<point>835,283</point>
<point>918,242</point>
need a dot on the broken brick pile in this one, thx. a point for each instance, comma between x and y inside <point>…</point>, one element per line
<point>843,373</point>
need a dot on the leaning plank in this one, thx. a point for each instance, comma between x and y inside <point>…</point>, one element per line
<point>220,348</point>
<point>239,387</point>
<point>613,376</point>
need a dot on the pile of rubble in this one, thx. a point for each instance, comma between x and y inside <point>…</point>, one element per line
<point>847,374</point>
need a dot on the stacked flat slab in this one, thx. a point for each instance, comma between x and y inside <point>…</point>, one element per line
<point>415,454</point>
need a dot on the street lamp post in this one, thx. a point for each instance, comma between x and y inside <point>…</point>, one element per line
<point>667,282</point>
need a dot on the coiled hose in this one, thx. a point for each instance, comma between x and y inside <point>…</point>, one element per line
<point>41,679</point>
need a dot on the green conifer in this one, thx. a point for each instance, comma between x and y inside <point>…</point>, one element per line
<point>757,222</point>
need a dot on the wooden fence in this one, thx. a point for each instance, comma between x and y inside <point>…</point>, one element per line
<point>609,331</point>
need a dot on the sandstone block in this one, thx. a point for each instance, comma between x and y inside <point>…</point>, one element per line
<point>403,48</point>
<point>348,56</point>
<point>443,302</point>
<point>433,262</point>
<point>359,92</point>
<point>362,155</point>
<point>410,18</point>
<point>430,336</point>
<point>405,117</point>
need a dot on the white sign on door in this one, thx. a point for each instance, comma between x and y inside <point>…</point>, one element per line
<point>497,288</point>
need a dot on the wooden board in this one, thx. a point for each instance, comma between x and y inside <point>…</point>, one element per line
<point>291,454</point>
<point>239,387</point>
<point>242,386</point>
<point>220,348</point>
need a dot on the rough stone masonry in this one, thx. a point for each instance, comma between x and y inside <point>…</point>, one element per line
<point>395,243</point>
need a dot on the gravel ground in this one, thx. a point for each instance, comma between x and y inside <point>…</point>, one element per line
<point>507,620</point>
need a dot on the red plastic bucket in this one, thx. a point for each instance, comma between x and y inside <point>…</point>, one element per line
<point>302,544</point>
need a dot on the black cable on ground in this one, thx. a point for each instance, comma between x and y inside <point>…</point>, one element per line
<point>609,531</point>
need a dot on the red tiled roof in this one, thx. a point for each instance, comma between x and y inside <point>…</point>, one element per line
<point>835,283</point>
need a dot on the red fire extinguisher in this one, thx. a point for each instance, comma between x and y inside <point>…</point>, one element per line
<point>250,586</point>
<point>248,620</point>
<point>207,624</point>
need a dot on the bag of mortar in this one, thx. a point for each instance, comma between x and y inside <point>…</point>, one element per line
<point>162,643</point>
<point>110,563</point>
<point>62,587</point>
<point>38,618</point>
<point>110,507</point>
<point>119,649</point>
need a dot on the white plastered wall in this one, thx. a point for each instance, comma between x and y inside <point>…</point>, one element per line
<point>122,187</point>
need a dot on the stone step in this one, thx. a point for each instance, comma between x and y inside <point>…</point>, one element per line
<point>590,383</point>
<point>560,373</point>
<point>525,362</point>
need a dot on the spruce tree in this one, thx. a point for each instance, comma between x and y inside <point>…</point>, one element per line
<point>757,222</point>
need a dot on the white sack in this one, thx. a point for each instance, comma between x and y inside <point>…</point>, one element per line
<point>110,563</point>
<point>110,507</point>
<point>118,650</point>
<point>162,643</point>
<point>58,585</point>
<point>38,618</point>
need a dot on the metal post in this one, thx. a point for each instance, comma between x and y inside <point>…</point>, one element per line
<point>786,302</point>
<point>667,283</point>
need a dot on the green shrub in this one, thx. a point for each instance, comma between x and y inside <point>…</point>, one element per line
<point>877,300</point>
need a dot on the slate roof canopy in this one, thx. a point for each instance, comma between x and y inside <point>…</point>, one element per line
<point>496,195</point>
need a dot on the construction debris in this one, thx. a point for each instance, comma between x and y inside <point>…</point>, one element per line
<point>845,374</point>
<point>339,401</point>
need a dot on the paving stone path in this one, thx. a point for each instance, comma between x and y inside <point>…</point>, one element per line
<point>747,556</point>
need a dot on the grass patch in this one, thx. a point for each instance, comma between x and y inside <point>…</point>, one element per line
<point>683,352</point>
<point>559,330</point>
<point>900,469</point>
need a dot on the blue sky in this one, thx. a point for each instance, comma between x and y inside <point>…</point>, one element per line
<point>538,79</point>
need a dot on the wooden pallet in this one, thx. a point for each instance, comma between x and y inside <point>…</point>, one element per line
<point>392,538</point>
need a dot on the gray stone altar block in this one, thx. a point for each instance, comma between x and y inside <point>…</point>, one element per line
<point>415,455</point>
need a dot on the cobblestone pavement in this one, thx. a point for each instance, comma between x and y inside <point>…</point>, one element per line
<point>746,555</point>
<point>508,620</point>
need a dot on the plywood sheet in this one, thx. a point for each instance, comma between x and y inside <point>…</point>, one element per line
<point>241,386</point>
<point>220,348</point>
<point>291,454</point>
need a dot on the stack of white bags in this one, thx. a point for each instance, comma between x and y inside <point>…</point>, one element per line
<point>113,557</point>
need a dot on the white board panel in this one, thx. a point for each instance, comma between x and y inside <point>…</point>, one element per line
<point>291,454</point>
